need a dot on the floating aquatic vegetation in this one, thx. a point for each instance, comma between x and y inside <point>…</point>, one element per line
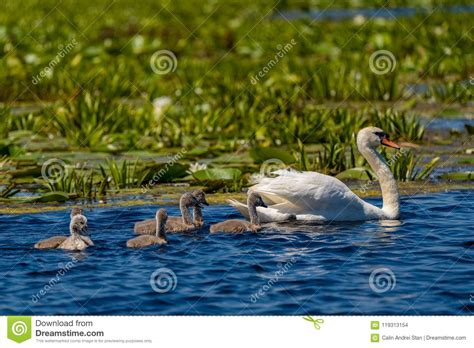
<point>49,197</point>
<point>262,154</point>
<point>451,92</point>
<point>399,124</point>
<point>73,181</point>
<point>167,172</point>
<point>124,175</point>
<point>103,96</point>
<point>9,191</point>
<point>357,173</point>
<point>227,179</point>
<point>406,166</point>
<point>194,167</point>
<point>332,159</point>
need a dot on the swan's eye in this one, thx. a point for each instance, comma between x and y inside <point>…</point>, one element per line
<point>381,135</point>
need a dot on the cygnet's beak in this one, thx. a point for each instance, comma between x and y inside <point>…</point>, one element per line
<point>85,230</point>
<point>203,203</point>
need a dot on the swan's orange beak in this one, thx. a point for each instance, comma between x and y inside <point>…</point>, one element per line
<point>389,143</point>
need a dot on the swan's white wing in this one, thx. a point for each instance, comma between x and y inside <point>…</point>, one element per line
<point>242,208</point>
<point>311,194</point>
<point>270,214</point>
<point>303,189</point>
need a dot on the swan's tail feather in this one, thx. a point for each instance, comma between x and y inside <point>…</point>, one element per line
<point>265,214</point>
<point>269,197</point>
<point>273,215</point>
<point>242,208</point>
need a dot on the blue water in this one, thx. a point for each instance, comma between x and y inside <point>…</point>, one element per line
<point>448,124</point>
<point>427,258</point>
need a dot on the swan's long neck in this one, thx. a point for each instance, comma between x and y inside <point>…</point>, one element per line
<point>73,229</point>
<point>160,228</point>
<point>184,207</point>
<point>198,219</point>
<point>388,184</point>
<point>254,220</point>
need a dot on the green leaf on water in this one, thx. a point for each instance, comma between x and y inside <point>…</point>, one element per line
<point>49,197</point>
<point>261,154</point>
<point>459,176</point>
<point>217,174</point>
<point>358,173</point>
<point>163,172</point>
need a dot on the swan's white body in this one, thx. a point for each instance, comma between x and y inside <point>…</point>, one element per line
<point>313,196</point>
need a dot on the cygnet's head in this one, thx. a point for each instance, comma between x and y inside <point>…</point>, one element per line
<point>200,197</point>
<point>194,199</point>
<point>76,211</point>
<point>255,199</point>
<point>79,225</point>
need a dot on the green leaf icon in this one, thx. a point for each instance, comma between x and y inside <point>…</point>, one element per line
<point>19,328</point>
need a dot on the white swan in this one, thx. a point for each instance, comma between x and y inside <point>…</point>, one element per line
<point>317,197</point>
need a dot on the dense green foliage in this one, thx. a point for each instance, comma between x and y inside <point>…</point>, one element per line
<point>87,71</point>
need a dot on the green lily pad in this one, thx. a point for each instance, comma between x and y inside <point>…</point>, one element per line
<point>164,172</point>
<point>469,160</point>
<point>50,197</point>
<point>198,151</point>
<point>21,134</point>
<point>262,154</point>
<point>32,172</point>
<point>458,176</point>
<point>358,173</point>
<point>218,174</point>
